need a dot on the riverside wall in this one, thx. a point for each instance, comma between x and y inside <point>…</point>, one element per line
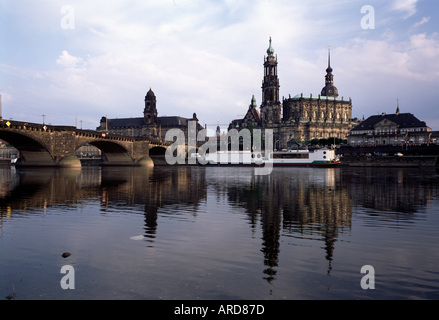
<point>384,156</point>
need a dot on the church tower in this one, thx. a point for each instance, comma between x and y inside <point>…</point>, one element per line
<point>329,89</point>
<point>150,111</point>
<point>271,106</point>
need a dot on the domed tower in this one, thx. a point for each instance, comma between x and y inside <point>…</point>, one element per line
<point>150,112</point>
<point>329,89</point>
<point>271,106</point>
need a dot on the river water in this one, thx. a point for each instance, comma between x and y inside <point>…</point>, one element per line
<point>219,233</point>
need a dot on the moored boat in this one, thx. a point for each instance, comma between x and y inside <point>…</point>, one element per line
<point>316,158</point>
<point>300,157</point>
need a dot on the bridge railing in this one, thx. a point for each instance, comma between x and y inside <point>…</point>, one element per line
<point>22,125</point>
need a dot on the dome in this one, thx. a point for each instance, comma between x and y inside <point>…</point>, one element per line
<point>329,91</point>
<point>270,49</point>
<point>150,93</point>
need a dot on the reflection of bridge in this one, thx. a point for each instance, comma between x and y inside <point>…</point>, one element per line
<point>47,145</point>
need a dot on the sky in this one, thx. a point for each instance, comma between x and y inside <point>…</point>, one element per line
<point>72,62</point>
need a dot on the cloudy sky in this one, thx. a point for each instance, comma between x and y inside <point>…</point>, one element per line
<point>74,61</point>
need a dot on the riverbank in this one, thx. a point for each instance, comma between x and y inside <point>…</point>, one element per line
<point>390,156</point>
<point>390,161</point>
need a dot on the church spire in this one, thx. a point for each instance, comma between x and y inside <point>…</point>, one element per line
<point>329,69</point>
<point>329,90</point>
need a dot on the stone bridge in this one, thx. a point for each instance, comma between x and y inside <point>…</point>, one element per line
<point>47,145</point>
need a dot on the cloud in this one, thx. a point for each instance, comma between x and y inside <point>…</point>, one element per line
<point>197,58</point>
<point>206,56</point>
<point>423,21</point>
<point>407,6</point>
<point>67,60</point>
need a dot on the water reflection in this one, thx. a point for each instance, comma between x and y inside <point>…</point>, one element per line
<point>317,204</point>
<point>136,189</point>
<point>300,203</point>
<point>294,205</point>
<point>395,194</point>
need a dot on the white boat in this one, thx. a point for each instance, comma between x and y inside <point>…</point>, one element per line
<point>316,158</point>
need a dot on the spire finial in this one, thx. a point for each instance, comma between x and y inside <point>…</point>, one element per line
<point>253,102</point>
<point>270,49</point>
<point>329,56</point>
<point>329,69</point>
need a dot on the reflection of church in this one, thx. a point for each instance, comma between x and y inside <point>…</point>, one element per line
<point>310,207</point>
<point>302,117</point>
<point>150,125</point>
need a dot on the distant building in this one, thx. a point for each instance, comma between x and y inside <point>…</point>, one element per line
<point>435,137</point>
<point>150,125</point>
<point>390,129</point>
<point>301,117</point>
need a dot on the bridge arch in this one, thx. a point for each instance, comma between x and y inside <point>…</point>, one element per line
<point>157,154</point>
<point>112,152</point>
<point>157,151</point>
<point>31,151</point>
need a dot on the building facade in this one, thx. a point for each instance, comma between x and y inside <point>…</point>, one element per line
<point>301,117</point>
<point>150,125</point>
<point>390,129</point>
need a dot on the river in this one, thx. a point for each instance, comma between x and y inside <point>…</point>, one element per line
<point>214,233</point>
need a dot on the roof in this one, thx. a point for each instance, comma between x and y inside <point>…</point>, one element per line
<point>173,121</point>
<point>253,113</point>
<point>403,120</point>
<point>317,97</point>
<point>125,122</point>
<point>166,121</point>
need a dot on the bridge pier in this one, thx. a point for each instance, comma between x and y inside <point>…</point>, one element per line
<point>41,159</point>
<point>69,162</point>
<point>145,162</point>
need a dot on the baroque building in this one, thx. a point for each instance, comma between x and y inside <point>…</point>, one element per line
<point>150,125</point>
<point>301,117</point>
<point>390,129</point>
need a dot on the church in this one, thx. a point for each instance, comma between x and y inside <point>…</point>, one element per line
<point>301,117</point>
<point>150,125</point>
